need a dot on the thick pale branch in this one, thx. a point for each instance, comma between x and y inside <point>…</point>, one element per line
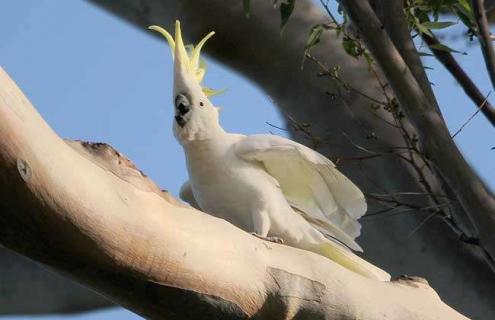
<point>87,212</point>
<point>473,194</point>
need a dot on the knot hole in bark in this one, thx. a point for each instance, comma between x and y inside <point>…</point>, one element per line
<point>24,169</point>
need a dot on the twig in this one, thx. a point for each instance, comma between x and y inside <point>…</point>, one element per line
<point>428,208</point>
<point>482,106</point>
<point>484,37</point>
<point>276,127</point>
<point>412,193</point>
<point>327,72</point>
<point>462,78</point>
<point>329,12</point>
<point>422,223</point>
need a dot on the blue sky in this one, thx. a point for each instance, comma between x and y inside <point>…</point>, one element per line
<point>94,77</point>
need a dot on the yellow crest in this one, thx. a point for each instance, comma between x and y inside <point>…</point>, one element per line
<point>191,60</point>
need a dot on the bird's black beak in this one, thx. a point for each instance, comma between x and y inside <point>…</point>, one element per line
<point>182,108</point>
<point>180,121</point>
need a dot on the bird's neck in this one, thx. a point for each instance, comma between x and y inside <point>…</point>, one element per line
<point>198,138</point>
<point>206,154</point>
<point>199,132</point>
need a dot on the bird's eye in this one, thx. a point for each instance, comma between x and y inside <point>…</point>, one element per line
<point>201,103</point>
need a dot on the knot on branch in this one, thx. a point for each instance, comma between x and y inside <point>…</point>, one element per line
<point>415,282</point>
<point>24,169</point>
<point>109,159</point>
<point>411,281</point>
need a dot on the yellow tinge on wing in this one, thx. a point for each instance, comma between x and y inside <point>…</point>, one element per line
<point>190,60</point>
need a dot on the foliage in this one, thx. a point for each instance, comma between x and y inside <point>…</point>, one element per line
<point>418,13</point>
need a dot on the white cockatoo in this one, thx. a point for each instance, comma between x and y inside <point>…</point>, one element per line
<point>264,184</point>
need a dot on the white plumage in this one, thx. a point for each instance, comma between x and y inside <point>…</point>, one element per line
<point>264,184</point>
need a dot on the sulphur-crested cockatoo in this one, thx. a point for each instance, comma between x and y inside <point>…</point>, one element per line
<point>264,184</point>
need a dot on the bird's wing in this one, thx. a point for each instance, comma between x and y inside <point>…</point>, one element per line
<point>186,194</point>
<point>311,184</point>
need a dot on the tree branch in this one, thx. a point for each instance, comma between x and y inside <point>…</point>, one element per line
<point>391,14</point>
<point>462,78</point>
<point>436,141</point>
<point>86,211</point>
<point>484,37</point>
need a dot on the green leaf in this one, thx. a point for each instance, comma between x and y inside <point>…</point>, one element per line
<point>437,24</point>
<point>424,30</point>
<point>424,54</point>
<point>443,47</point>
<point>314,36</point>
<point>465,5</point>
<point>286,9</point>
<point>313,40</point>
<point>351,47</point>
<point>246,4</point>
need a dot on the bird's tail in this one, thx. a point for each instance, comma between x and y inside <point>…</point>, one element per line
<point>351,261</point>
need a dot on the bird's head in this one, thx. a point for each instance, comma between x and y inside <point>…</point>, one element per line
<point>195,116</point>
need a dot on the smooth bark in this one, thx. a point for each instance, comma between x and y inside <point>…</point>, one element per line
<point>85,210</point>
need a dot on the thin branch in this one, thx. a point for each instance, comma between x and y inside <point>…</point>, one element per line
<point>408,209</point>
<point>410,194</point>
<point>481,107</point>
<point>422,223</point>
<point>462,78</point>
<point>484,37</point>
<point>327,72</point>
<point>324,3</point>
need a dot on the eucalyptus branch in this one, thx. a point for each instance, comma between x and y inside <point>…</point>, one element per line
<point>395,23</point>
<point>469,87</point>
<point>484,38</point>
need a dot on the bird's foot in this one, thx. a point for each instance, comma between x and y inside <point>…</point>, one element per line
<point>271,239</point>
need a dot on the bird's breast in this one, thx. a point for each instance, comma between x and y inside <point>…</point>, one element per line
<point>230,188</point>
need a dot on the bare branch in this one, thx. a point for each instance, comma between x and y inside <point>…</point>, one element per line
<point>481,107</point>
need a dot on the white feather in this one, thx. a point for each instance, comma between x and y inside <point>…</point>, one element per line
<point>311,184</point>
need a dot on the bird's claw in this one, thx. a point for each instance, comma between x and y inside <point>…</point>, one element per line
<point>271,239</point>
